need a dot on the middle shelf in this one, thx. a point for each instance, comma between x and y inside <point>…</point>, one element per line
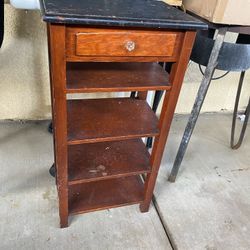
<point>109,119</point>
<point>106,160</point>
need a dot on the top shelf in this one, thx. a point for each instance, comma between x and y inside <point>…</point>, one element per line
<point>108,77</point>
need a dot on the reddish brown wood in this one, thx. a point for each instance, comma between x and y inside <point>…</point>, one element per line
<point>107,77</point>
<point>96,42</point>
<point>105,160</point>
<point>142,95</point>
<point>97,120</point>
<point>104,121</point>
<point>169,104</point>
<point>105,194</point>
<point>107,45</point>
<point>73,58</point>
<point>51,88</point>
<point>112,42</point>
<point>58,84</point>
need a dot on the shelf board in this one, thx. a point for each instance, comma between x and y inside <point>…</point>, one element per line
<point>107,77</point>
<point>96,120</point>
<point>105,194</point>
<point>105,160</point>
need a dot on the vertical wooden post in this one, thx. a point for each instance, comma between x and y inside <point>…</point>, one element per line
<point>170,100</point>
<point>58,86</point>
<point>142,95</point>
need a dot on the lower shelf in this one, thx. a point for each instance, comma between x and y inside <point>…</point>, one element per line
<point>105,194</point>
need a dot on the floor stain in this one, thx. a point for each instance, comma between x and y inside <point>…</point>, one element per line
<point>240,169</point>
<point>100,169</point>
<point>207,247</point>
<point>14,204</point>
<point>219,174</point>
<point>229,224</point>
<point>46,195</point>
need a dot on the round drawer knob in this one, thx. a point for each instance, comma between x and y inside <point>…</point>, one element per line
<point>130,45</point>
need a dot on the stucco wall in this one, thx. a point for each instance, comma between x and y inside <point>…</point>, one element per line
<point>24,84</point>
<point>24,87</point>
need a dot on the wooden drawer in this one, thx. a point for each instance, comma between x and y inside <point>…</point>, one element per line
<point>120,43</point>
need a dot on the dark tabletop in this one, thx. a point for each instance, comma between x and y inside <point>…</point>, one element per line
<point>129,13</point>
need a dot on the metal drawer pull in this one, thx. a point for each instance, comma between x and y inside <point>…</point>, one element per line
<point>130,45</point>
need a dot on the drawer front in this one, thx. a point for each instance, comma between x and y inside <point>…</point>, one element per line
<point>125,43</point>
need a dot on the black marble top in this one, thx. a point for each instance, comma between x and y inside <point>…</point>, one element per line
<point>129,13</point>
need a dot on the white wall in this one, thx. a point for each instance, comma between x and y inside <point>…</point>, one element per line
<point>24,77</point>
<point>221,93</point>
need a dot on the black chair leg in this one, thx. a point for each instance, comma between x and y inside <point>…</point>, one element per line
<point>50,128</point>
<point>243,130</point>
<point>52,170</point>
<point>133,94</point>
<point>157,99</point>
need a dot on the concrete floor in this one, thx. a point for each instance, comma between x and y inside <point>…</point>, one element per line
<point>207,208</point>
<point>29,207</point>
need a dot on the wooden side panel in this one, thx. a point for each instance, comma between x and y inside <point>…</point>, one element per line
<point>58,86</point>
<point>169,104</point>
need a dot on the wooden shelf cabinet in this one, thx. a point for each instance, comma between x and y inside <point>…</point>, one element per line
<point>99,152</point>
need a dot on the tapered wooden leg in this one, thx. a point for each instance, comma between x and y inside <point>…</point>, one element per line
<point>58,84</point>
<point>170,100</point>
<point>144,208</point>
<point>149,182</point>
<point>142,95</point>
<point>64,221</point>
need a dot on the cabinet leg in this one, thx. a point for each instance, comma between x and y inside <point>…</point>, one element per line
<point>133,94</point>
<point>144,207</point>
<point>50,128</point>
<point>59,106</point>
<point>52,170</point>
<point>142,95</point>
<point>149,188</point>
<point>64,221</point>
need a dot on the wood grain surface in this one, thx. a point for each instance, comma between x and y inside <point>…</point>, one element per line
<point>105,194</point>
<point>108,77</point>
<point>97,120</point>
<point>105,160</point>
